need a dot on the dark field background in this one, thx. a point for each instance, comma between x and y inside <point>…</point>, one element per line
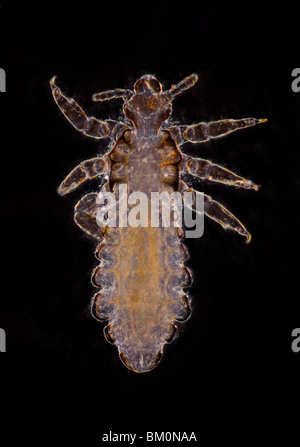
<point>232,366</point>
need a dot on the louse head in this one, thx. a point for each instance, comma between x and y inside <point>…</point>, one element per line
<point>147,85</point>
<point>148,103</point>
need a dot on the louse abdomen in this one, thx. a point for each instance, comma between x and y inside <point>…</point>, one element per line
<point>142,270</point>
<point>141,280</point>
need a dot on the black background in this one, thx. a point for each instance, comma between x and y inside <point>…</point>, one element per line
<point>232,365</point>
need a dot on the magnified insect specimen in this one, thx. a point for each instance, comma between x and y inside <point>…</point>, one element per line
<point>142,272</point>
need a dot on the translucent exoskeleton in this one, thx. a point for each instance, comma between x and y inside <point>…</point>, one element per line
<point>142,272</point>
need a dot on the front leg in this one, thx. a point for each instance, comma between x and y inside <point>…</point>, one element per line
<point>89,126</point>
<point>202,132</point>
<point>87,170</point>
<point>206,170</point>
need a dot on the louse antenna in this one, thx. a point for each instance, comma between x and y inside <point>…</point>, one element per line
<point>185,84</point>
<point>112,94</point>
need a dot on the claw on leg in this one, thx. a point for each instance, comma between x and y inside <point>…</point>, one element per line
<point>87,170</point>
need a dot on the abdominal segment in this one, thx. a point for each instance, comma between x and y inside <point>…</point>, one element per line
<point>141,276</point>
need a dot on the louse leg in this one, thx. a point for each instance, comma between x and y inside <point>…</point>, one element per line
<point>217,212</point>
<point>206,170</point>
<point>85,215</point>
<point>86,170</point>
<point>90,126</point>
<point>202,132</point>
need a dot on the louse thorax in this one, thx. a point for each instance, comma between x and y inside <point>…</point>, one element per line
<point>148,108</point>
<point>148,164</point>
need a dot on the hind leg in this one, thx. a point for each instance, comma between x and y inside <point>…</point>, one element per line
<point>85,216</point>
<point>217,212</point>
